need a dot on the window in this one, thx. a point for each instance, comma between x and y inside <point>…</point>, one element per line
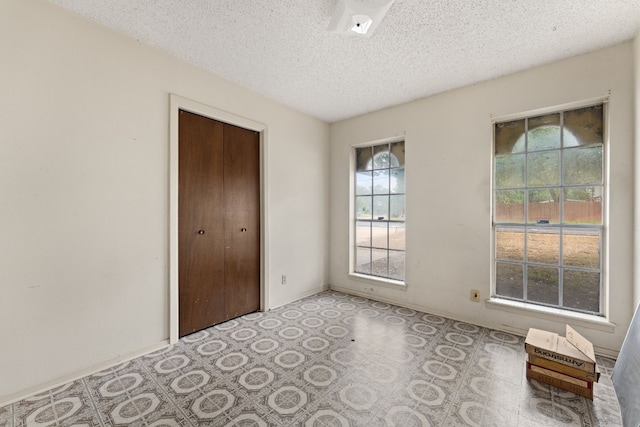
<point>548,193</point>
<point>379,196</point>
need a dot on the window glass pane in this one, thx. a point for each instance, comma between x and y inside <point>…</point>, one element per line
<point>542,284</point>
<point>396,265</point>
<point>381,156</point>
<point>583,126</point>
<point>363,207</point>
<point>582,166</point>
<point>397,154</point>
<point>543,246</point>
<point>396,235</point>
<point>363,260</point>
<point>558,176</point>
<point>364,182</point>
<point>397,208</point>
<point>509,206</point>
<point>380,207</point>
<point>581,290</point>
<point>544,132</point>
<point>379,235</point>
<point>543,168</point>
<point>510,244</point>
<point>544,206</point>
<point>581,248</point>
<point>364,158</point>
<point>363,233</point>
<point>583,205</point>
<point>397,180</point>
<point>509,137</point>
<point>381,181</point>
<point>509,171</point>
<point>379,262</point>
<point>379,203</point>
<point>509,280</point>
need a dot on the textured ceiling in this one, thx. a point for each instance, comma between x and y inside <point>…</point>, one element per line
<point>281,49</point>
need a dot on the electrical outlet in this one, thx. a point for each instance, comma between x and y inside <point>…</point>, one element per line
<point>475,295</point>
<point>284,279</point>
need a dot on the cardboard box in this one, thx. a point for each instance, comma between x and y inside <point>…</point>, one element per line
<point>564,369</point>
<point>574,351</point>
<point>564,382</point>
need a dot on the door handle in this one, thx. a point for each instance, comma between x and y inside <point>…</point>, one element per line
<point>200,231</point>
<point>243,230</point>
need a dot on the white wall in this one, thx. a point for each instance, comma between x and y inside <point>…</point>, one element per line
<point>636,75</point>
<point>448,152</point>
<point>84,193</point>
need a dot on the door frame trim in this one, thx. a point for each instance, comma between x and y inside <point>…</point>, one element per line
<point>178,103</point>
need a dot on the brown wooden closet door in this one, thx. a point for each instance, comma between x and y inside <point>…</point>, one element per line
<point>200,223</point>
<point>218,222</point>
<point>242,220</point>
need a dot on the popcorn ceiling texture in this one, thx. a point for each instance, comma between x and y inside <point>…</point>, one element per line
<point>281,49</point>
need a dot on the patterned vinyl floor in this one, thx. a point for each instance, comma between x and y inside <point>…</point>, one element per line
<point>330,360</point>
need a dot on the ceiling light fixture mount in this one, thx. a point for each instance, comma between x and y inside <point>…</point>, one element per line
<point>358,17</point>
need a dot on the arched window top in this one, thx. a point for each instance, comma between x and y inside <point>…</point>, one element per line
<point>382,156</point>
<point>578,127</point>
<point>545,138</point>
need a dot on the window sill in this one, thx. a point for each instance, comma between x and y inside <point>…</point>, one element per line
<point>372,280</point>
<point>554,314</point>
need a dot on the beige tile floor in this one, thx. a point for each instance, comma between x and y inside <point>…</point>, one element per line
<point>328,360</point>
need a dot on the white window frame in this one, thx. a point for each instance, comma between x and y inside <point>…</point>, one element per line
<point>598,320</point>
<point>362,277</point>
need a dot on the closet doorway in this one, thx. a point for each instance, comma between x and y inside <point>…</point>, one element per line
<point>218,222</point>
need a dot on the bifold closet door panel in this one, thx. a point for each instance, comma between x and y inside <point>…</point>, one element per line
<point>201,223</point>
<point>242,220</point>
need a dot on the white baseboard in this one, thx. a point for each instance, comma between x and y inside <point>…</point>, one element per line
<point>302,295</point>
<point>22,394</point>
<point>423,309</point>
